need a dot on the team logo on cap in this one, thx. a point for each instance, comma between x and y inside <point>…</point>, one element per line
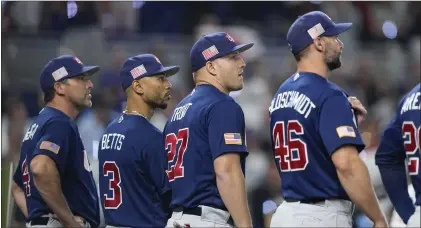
<point>230,38</point>
<point>78,60</point>
<point>138,71</point>
<point>210,52</point>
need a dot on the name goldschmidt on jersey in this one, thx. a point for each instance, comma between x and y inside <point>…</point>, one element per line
<point>293,99</point>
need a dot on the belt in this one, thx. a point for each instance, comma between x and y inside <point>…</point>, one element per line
<point>198,211</point>
<point>40,221</point>
<point>310,201</point>
<point>43,221</point>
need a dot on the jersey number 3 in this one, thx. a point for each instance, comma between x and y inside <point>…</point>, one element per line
<point>412,137</point>
<point>285,146</point>
<point>171,141</point>
<point>116,199</point>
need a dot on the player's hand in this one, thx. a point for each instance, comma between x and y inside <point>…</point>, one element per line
<point>381,223</point>
<point>80,221</point>
<point>361,112</point>
<point>76,222</point>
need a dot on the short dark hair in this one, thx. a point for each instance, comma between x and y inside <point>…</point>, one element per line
<point>49,94</point>
<point>298,56</point>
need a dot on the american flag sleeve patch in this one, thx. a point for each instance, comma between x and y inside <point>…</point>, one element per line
<point>233,139</point>
<point>47,145</point>
<point>346,131</point>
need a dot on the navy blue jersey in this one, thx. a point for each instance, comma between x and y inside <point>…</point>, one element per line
<point>132,178</point>
<point>204,125</point>
<point>310,118</point>
<point>402,137</point>
<point>55,135</point>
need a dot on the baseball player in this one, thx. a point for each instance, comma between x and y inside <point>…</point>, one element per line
<point>133,184</point>
<point>315,138</point>
<point>401,140</point>
<point>205,140</point>
<point>53,172</point>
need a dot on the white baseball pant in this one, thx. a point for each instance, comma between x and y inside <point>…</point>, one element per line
<point>414,221</point>
<point>50,221</point>
<point>210,217</point>
<point>328,213</point>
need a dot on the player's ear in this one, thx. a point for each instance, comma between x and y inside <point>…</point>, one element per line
<point>59,88</point>
<point>138,87</point>
<point>211,67</point>
<point>319,44</point>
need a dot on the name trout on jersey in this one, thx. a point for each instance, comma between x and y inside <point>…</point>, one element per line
<point>180,112</point>
<point>113,141</point>
<point>293,99</point>
<point>412,102</point>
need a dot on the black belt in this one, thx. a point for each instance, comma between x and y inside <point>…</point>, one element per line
<point>198,211</point>
<point>310,201</point>
<point>40,221</point>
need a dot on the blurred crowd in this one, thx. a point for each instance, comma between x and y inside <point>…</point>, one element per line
<point>381,62</point>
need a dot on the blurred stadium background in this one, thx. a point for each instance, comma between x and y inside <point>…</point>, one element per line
<point>381,62</point>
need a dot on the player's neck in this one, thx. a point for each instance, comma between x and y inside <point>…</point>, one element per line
<point>64,107</point>
<point>306,65</point>
<point>139,106</point>
<point>215,84</point>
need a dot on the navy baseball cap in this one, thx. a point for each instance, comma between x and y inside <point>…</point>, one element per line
<point>213,46</point>
<point>63,67</point>
<point>310,26</point>
<point>141,66</point>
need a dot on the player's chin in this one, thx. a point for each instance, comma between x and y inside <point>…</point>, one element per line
<point>237,87</point>
<point>162,105</point>
<point>88,104</point>
<point>335,64</point>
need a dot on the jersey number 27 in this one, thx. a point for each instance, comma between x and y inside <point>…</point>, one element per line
<point>171,140</point>
<point>285,145</point>
<point>412,137</point>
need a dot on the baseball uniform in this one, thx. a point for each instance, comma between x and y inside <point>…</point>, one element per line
<point>133,184</point>
<point>203,126</point>
<point>310,118</point>
<point>400,145</point>
<point>54,134</point>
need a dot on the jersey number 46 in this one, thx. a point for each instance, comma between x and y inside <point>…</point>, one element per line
<point>171,140</point>
<point>26,178</point>
<point>285,145</point>
<point>412,137</point>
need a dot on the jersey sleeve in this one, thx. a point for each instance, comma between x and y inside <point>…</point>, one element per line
<point>226,129</point>
<point>17,176</point>
<point>337,125</point>
<point>156,157</point>
<point>391,150</point>
<point>54,143</point>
